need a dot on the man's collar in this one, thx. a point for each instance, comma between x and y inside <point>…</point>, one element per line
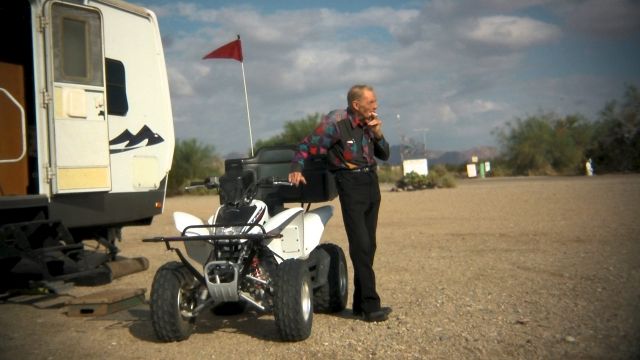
<point>355,119</point>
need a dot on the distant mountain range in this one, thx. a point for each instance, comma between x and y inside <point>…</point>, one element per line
<point>442,157</point>
<point>435,157</point>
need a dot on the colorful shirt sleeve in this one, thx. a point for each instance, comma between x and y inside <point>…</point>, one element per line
<point>381,148</point>
<point>323,136</point>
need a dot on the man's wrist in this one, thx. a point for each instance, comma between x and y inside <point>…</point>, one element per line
<point>295,167</point>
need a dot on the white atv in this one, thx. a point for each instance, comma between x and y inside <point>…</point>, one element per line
<point>253,254</point>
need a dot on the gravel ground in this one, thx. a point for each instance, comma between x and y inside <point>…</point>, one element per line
<point>501,268</point>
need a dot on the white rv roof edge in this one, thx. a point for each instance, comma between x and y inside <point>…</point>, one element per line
<point>127,7</point>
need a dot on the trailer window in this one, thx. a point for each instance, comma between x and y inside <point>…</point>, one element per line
<point>117,103</point>
<point>77,45</point>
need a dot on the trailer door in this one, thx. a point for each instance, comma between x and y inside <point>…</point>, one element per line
<point>77,107</point>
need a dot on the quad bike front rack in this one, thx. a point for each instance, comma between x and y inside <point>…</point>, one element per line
<point>230,238</point>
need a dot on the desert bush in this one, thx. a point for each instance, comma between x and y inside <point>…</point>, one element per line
<point>192,161</point>
<point>438,177</point>
<point>389,173</point>
<point>545,144</point>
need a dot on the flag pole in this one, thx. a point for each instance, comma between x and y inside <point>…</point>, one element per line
<point>246,99</point>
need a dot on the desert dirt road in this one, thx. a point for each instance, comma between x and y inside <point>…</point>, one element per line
<point>504,268</point>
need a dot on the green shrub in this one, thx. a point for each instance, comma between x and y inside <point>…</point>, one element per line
<point>438,177</point>
<point>448,181</point>
<point>389,173</point>
<point>192,161</point>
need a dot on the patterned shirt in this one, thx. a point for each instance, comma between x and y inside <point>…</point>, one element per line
<point>347,141</point>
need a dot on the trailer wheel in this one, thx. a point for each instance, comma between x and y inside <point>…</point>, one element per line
<point>332,296</point>
<point>292,304</point>
<point>173,299</point>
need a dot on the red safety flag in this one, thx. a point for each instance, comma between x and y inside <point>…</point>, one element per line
<point>232,50</point>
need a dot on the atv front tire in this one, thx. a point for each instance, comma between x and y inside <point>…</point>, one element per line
<point>173,299</point>
<point>292,303</point>
<point>332,296</point>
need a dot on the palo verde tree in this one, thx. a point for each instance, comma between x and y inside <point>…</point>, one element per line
<point>545,144</point>
<point>192,161</point>
<point>294,131</point>
<point>616,145</point>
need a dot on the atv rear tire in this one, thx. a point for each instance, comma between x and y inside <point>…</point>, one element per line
<point>292,303</point>
<point>332,296</point>
<point>173,299</point>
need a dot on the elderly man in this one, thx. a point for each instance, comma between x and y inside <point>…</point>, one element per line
<point>352,138</point>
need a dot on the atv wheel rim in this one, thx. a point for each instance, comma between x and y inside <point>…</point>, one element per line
<point>305,300</point>
<point>185,303</point>
<point>343,279</point>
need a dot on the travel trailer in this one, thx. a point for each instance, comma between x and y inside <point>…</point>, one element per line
<point>86,132</point>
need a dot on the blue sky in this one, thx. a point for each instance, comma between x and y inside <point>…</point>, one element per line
<point>457,68</point>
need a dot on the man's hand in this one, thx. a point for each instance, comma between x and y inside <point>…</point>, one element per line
<point>295,177</point>
<point>375,124</point>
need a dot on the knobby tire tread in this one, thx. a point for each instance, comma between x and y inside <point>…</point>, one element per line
<point>168,323</point>
<point>287,311</point>
<point>328,297</point>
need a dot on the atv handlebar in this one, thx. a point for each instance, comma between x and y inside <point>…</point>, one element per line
<point>275,181</point>
<point>211,182</point>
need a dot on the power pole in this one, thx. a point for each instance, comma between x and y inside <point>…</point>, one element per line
<point>424,139</point>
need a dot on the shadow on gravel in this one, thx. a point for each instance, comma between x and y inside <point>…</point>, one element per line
<point>40,301</point>
<point>259,326</point>
<point>344,314</point>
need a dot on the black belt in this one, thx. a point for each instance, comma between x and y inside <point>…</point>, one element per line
<point>364,169</point>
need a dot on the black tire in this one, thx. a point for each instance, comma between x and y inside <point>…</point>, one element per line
<point>292,300</point>
<point>173,298</point>
<point>229,308</point>
<point>332,296</point>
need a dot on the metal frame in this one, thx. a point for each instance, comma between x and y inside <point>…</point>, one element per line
<point>235,239</point>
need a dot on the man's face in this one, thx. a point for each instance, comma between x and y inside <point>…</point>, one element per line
<point>366,105</point>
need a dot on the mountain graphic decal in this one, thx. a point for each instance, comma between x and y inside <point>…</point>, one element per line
<point>127,141</point>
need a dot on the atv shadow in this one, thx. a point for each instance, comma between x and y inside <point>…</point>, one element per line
<point>37,300</point>
<point>257,325</point>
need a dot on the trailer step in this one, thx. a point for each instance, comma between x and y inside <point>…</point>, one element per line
<point>125,266</point>
<point>105,302</point>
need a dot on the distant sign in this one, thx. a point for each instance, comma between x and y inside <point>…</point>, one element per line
<point>419,166</point>
<point>471,170</point>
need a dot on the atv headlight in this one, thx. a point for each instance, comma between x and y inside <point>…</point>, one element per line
<point>229,230</point>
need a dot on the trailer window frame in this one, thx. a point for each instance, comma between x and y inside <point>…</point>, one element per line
<point>77,42</point>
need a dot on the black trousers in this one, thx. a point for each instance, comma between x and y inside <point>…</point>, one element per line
<point>359,194</point>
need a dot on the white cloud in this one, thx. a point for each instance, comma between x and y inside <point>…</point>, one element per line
<point>446,114</point>
<point>480,106</point>
<point>510,31</point>
<point>452,67</point>
<point>180,85</point>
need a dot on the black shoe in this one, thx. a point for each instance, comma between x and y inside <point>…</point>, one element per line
<point>376,316</point>
<point>359,313</point>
